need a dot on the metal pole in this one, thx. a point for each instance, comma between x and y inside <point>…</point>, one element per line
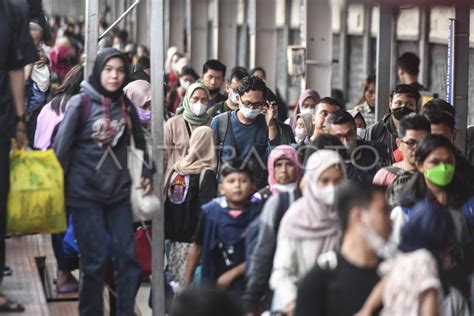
<point>157,73</point>
<point>110,28</point>
<point>367,41</point>
<point>384,48</point>
<point>394,51</point>
<point>424,44</point>
<point>92,29</point>
<point>461,74</point>
<point>343,52</point>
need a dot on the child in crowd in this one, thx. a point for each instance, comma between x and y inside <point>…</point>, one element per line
<point>220,237</point>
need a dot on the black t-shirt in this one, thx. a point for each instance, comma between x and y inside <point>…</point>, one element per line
<point>340,291</point>
<point>16,51</point>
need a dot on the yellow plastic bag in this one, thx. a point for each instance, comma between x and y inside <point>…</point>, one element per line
<point>36,196</point>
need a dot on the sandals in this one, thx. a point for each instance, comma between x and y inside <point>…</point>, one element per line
<point>68,288</point>
<point>7,271</point>
<point>10,306</point>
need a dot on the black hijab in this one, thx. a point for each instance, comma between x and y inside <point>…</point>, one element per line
<point>102,58</point>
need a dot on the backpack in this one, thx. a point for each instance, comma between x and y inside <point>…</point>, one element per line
<point>394,191</point>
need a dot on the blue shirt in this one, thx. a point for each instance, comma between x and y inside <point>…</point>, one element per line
<point>245,138</point>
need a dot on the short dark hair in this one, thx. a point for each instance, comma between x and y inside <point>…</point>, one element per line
<point>439,105</point>
<point>270,96</point>
<point>189,71</point>
<point>410,90</point>
<point>440,117</point>
<point>329,100</point>
<point>413,121</point>
<point>409,63</point>
<point>237,73</point>
<point>235,166</point>
<point>252,83</point>
<point>353,193</point>
<point>340,117</point>
<point>254,70</point>
<point>205,301</point>
<point>214,64</point>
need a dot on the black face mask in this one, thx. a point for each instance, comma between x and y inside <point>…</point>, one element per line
<point>400,113</point>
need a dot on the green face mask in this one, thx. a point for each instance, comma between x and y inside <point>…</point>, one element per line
<point>441,175</point>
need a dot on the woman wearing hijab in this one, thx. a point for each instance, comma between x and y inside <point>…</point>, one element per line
<point>309,228</point>
<point>283,172</point>
<point>306,104</point>
<point>192,182</point>
<point>304,128</point>
<point>139,93</point>
<point>91,145</point>
<point>179,128</point>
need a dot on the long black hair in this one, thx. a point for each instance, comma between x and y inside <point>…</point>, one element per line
<point>416,189</point>
<point>70,87</point>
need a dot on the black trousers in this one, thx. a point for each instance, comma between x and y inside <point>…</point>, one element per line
<point>4,185</point>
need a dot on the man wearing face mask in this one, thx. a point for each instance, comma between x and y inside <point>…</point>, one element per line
<point>187,77</point>
<point>232,89</point>
<point>342,280</point>
<point>365,158</point>
<point>213,74</point>
<point>244,133</point>
<point>403,101</point>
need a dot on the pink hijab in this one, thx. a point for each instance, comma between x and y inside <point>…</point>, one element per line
<point>309,218</point>
<point>139,92</point>
<point>308,93</point>
<point>279,152</point>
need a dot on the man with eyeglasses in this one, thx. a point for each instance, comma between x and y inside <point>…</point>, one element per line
<point>232,88</point>
<point>411,130</point>
<point>324,107</point>
<point>364,158</point>
<point>244,133</point>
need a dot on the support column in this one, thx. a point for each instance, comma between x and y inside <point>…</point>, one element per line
<point>198,33</point>
<point>343,52</point>
<point>317,37</point>
<point>243,35</point>
<point>263,38</point>
<point>367,41</point>
<point>394,51</point>
<point>92,33</point>
<point>225,36</point>
<point>157,74</point>
<point>143,23</point>
<point>424,44</point>
<point>176,23</point>
<point>461,74</point>
<point>384,47</point>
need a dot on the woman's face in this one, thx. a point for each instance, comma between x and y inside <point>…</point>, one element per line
<point>309,103</point>
<point>300,123</point>
<point>199,95</point>
<point>369,95</point>
<point>285,171</point>
<point>331,176</point>
<point>438,156</point>
<point>112,76</point>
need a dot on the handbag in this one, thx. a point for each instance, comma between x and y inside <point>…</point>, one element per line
<point>144,207</point>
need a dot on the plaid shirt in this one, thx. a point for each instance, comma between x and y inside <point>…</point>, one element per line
<point>367,113</point>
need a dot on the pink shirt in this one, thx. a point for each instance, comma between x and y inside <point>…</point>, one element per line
<point>384,177</point>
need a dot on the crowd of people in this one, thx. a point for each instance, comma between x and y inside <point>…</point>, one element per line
<point>314,210</point>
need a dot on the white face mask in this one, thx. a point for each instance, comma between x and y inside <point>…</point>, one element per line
<point>248,113</point>
<point>233,97</point>
<point>326,194</point>
<point>361,133</point>
<point>185,84</point>
<point>383,248</point>
<point>284,187</point>
<point>198,108</point>
<point>308,110</point>
<point>300,133</point>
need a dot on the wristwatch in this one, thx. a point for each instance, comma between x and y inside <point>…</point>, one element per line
<point>22,118</point>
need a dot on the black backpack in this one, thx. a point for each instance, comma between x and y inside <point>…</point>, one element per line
<point>394,191</point>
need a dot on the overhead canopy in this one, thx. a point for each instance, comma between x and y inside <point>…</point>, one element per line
<point>398,3</point>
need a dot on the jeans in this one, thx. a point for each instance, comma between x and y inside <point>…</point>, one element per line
<point>4,185</point>
<point>102,230</point>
